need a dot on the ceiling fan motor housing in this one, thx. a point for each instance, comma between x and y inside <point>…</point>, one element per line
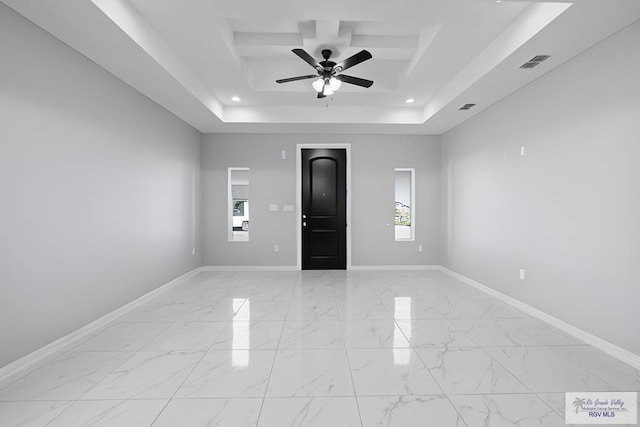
<point>328,70</point>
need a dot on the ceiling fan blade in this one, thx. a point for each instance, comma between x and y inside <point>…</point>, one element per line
<point>359,57</point>
<point>307,58</point>
<point>293,79</point>
<point>354,80</point>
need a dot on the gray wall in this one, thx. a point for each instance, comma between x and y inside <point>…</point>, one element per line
<point>95,190</point>
<point>569,210</point>
<point>273,181</point>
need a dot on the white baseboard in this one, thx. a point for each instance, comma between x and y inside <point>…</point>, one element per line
<point>295,268</point>
<point>395,267</point>
<point>249,268</point>
<point>613,350</point>
<point>32,359</point>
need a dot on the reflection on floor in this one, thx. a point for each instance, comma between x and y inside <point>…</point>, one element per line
<point>383,348</point>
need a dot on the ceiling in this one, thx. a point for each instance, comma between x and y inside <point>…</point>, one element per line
<point>194,56</point>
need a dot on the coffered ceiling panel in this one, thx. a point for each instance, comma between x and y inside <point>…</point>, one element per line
<point>215,63</point>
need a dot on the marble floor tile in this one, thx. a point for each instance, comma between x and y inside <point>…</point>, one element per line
<point>310,412</point>
<point>506,410</point>
<point>313,290</point>
<point>442,299</point>
<point>434,333</point>
<point>375,333</point>
<point>360,296</point>
<point>555,401</point>
<point>454,308</point>
<point>161,311</point>
<point>494,332</point>
<point>229,373</point>
<point>468,371</point>
<point>220,311</point>
<point>363,310</point>
<point>205,293</point>
<point>409,411</point>
<point>315,348</point>
<point>390,372</point>
<point>408,308</point>
<point>502,310</point>
<point>66,378</point>
<point>324,309</point>
<point>544,333</point>
<point>262,310</point>
<point>278,279</point>
<point>272,294</point>
<point>210,413</point>
<point>310,373</point>
<point>187,336</point>
<point>110,413</point>
<point>312,334</point>
<point>30,414</point>
<point>308,297</point>
<point>621,376</point>
<point>123,336</point>
<point>543,370</point>
<point>146,375</point>
<point>241,335</point>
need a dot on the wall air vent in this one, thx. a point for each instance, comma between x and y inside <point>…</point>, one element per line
<point>466,106</point>
<point>535,61</point>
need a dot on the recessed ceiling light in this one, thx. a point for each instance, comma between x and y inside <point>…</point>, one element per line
<point>498,1</point>
<point>410,101</point>
<point>235,99</point>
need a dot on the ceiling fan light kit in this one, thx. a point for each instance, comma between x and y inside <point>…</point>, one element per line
<point>328,80</point>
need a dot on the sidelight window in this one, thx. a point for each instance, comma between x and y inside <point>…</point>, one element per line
<point>405,204</point>
<point>238,205</point>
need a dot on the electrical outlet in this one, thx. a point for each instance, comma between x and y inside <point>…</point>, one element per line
<point>522,274</point>
<point>419,248</point>
<point>276,248</point>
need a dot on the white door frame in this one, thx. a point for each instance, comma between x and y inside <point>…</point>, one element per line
<point>299,148</point>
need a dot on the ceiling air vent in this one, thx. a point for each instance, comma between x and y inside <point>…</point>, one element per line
<point>539,58</point>
<point>467,106</point>
<point>535,61</point>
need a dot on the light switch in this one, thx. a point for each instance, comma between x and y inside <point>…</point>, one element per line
<point>288,208</point>
<point>273,208</point>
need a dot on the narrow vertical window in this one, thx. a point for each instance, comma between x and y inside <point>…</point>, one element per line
<point>405,204</point>
<point>238,205</point>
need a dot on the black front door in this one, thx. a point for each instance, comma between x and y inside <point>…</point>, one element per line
<point>324,209</point>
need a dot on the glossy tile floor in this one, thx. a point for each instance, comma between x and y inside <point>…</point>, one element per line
<point>328,349</point>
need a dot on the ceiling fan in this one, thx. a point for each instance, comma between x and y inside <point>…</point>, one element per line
<point>328,80</point>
